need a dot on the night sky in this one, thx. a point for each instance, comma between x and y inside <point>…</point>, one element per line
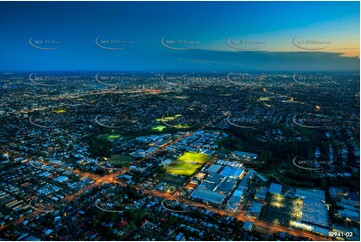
<point>262,36</point>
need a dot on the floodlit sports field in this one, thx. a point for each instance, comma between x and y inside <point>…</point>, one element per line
<point>159,128</point>
<point>60,111</point>
<point>166,119</point>
<point>187,164</point>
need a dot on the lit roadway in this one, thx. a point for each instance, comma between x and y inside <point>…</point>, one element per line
<point>98,181</point>
<point>111,178</point>
<point>272,228</point>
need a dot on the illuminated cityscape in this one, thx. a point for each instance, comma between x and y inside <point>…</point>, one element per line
<point>179,136</point>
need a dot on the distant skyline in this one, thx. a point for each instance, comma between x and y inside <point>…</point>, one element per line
<point>184,36</point>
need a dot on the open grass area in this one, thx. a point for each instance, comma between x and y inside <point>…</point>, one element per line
<point>60,111</point>
<point>182,126</point>
<point>120,160</point>
<point>166,119</point>
<point>187,164</point>
<point>159,128</point>
<point>109,137</point>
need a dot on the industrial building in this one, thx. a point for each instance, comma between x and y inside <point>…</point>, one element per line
<point>232,172</point>
<point>315,212</point>
<point>261,193</point>
<point>213,168</point>
<point>208,196</point>
<point>61,179</point>
<point>255,209</point>
<point>310,193</point>
<point>275,188</point>
<point>226,186</point>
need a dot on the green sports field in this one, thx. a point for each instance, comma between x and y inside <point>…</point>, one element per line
<point>166,119</point>
<point>159,128</point>
<point>187,164</point>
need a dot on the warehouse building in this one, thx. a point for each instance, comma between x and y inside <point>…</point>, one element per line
<point>213,168</point>
<point>275,188</point>
<point>255,209</point>
<point>311,193</point>
<point>208,196</point>
<point>232,172</point>
<point>315,212</point>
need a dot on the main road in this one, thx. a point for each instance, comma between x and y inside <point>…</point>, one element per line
<point>112,178</point>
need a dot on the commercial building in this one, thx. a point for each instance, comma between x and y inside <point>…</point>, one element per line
<point>255,209</point>
<point>315,212</point>
<point>235,199</point>
<point>214,178</point>
<point>261,193</point>
<point>310,193</point>
<point>213,168</point>
<point>61,179</point>
<point>226,186</point>
<point>208,196</point>
<point>350,214</point>
<point>232,172</point>
<point>275,188</point>
<point>312,228</point>
<point>247,226</point>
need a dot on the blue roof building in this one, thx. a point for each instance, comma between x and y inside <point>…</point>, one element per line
<point>61,179</point>
<point>275,188</point>
<point>232,172</point>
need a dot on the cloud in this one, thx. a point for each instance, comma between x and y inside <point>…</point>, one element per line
<point>211,60</point>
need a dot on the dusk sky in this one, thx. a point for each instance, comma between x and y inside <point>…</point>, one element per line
<point>197,36</point>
